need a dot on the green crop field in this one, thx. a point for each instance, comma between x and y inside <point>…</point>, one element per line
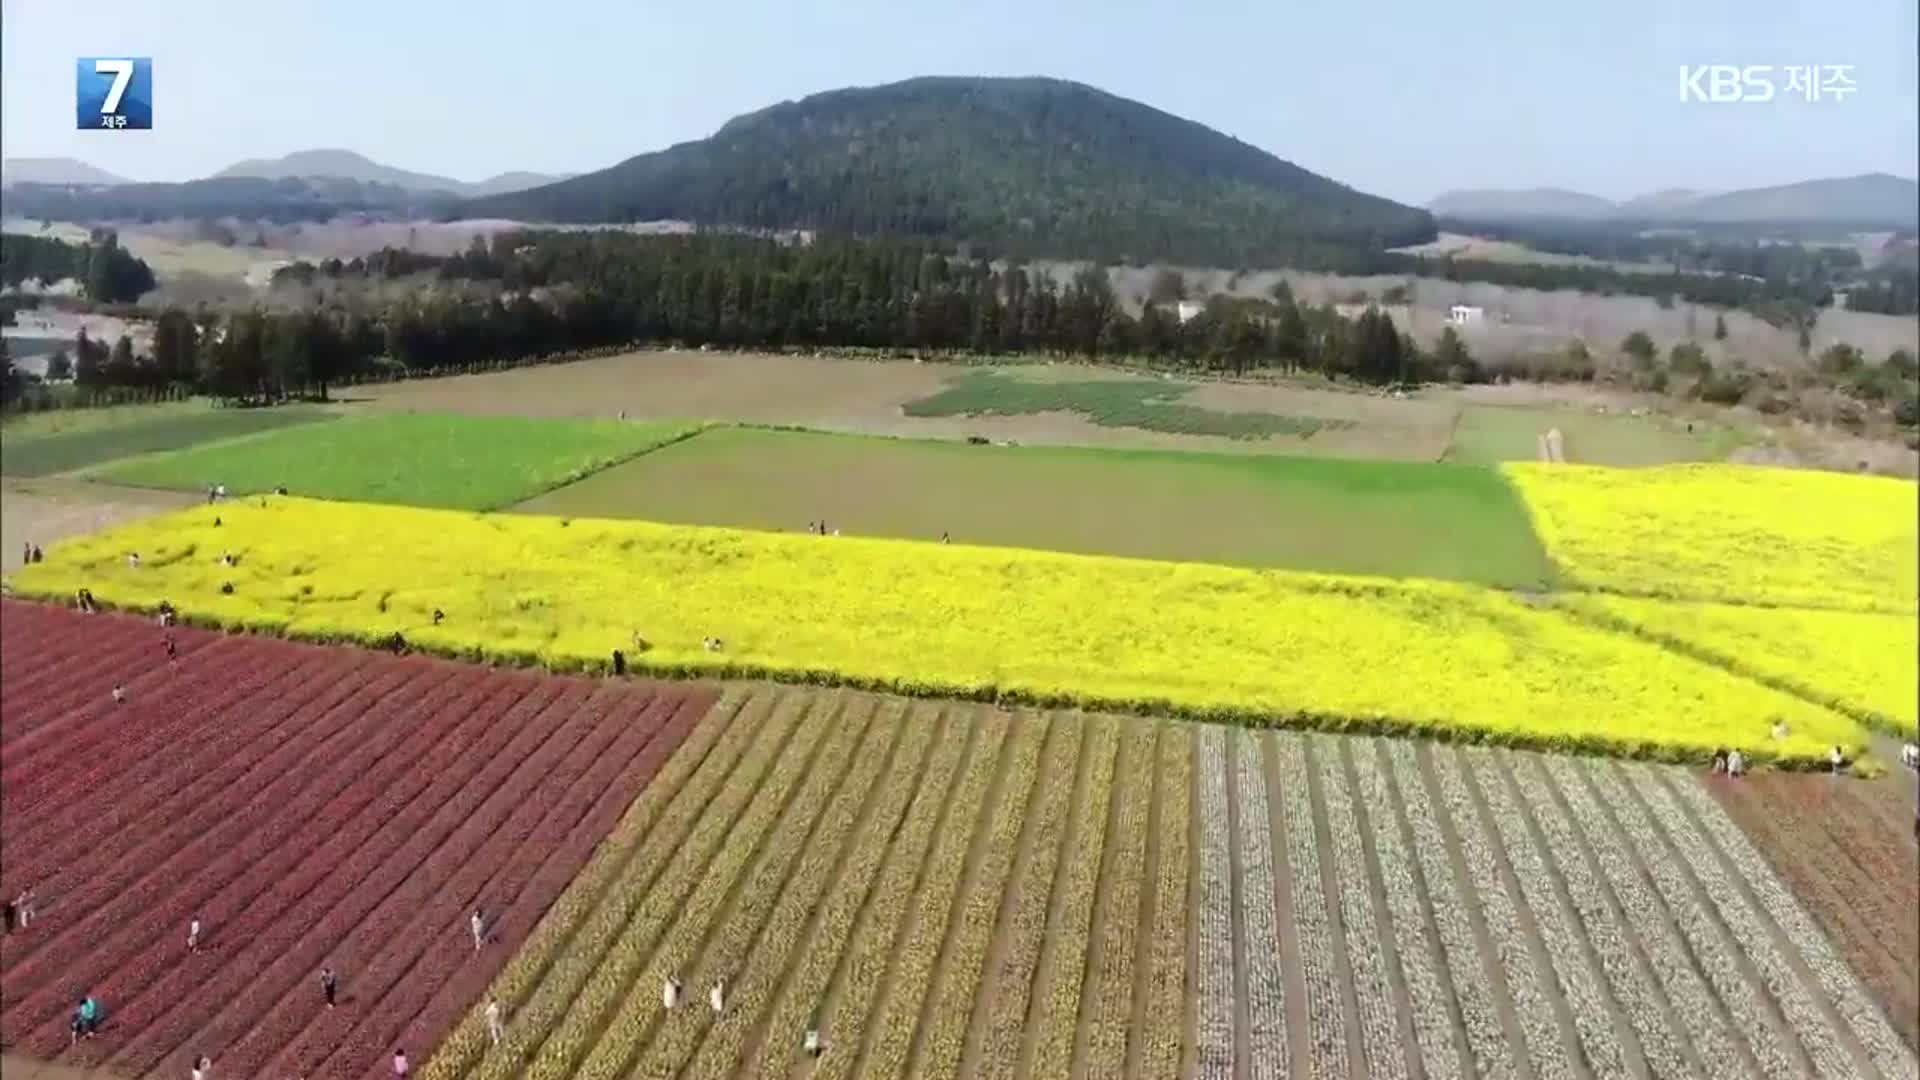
<point>419,459</point>
<point>56,442</point>
<point>1146,404</point>
<point>1367,517</point>
<point>1487,434</point>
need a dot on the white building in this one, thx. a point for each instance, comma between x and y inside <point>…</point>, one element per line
<point>1187,309</point>
<point>1465,314</point>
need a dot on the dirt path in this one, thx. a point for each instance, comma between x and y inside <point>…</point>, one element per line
<point>47,511</point>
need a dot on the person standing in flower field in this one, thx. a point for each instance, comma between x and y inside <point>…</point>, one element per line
<point>202,1066</point>
<point>478,924</point>
<point>400,1063</point>
<point>670,993</point>
<point>193,934</point>
<point>495,1029</point>
<point>329,985</point>
<point>23,907</point>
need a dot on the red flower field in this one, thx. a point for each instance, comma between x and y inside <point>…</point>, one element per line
<point>312,807</point>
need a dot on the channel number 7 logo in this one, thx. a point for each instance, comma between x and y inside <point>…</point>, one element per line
<point>114,93</point>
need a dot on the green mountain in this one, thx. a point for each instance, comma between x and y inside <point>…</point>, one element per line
<point>1027,166</point>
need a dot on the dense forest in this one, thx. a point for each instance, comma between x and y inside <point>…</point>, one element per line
<point>1028,167</point>
<point>103,268</point>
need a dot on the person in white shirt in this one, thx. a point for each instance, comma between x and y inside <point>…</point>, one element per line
<point>478,924</point>
<point>670,993</point>
<point>202,1066</point>
<point>718,997</point>
<point>193,934</point>
<point>494,1028</point>
<point>1736,763</point>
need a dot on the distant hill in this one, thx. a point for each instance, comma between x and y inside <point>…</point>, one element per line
<point>1664,202</point>
<point>55,170</point>
<point>284,200</point>
<point>1022,166</point>
<point>1501,205</point>
<point>1873,199</point>
<point>347,165</point>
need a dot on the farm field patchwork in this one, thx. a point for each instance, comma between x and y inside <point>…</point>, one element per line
<point>1862,663</point>
<point>1382,518</point>
<point>420,459</point>
<point>927,618</point>
<point>311,807</point>
<point>1364,907</point>
<point>1489,434</point>
<point>29,448</point>
<point>1146,404</point>
<point>1735,534</point>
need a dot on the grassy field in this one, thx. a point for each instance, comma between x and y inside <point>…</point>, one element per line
<point>1365,517</point>
<point>1488,434</point>
<point>420,459</point>
<point>1121,403</point>
<point>946,890</point>
<point>1261,646</point>
<point>1734,534</point>
<point>69,439</point>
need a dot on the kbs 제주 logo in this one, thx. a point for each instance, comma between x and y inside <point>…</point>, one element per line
<point>114,93</point>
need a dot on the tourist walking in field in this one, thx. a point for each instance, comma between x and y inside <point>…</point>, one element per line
<point>329,985</point>
<point>670,993</point>
<point>38,555</point>
<point>494,1028</point>
<point>86,1019</point>
<point>119,694</point>
<point>202,1066</point>
<point>1719,761</point>
<point>812,1042</point>
<point>718,996</point>
<point>1736,763</point>
<point>23,907</point>
<point>193,934</point>
<point>400,1063</point>
<point>173,652</point>
<point>478,924</point>
<point>1836,759</point>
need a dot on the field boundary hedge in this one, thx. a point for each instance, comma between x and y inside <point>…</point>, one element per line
<point>638,666</point>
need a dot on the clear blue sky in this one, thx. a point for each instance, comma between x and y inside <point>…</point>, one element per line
<point>1405,98</point>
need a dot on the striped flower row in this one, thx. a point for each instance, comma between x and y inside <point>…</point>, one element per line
<point>1742,1000</point>
<point>1326,1020</point>
<point>1064,983</point>
<point>1564,954</point>
<point>1111,989</point>
<point>1164,1027</point>
<point>1380,1037</point>
<point>1890,1055</point>
<point>1214,1039</point>
<point>1666,953</point>
<point>1537,1024</point>
<point>1492,1056</point>
<point>1266,983</point>
<point>1631,988</point>
<point>1432,1027</point>
<point>1822,1044</point>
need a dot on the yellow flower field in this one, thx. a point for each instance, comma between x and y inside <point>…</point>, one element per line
<point>1255,646</point>
<point>1861,663</point>
<point>1730,532</point>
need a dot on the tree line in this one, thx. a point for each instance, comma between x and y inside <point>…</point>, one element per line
<point>107,271</point>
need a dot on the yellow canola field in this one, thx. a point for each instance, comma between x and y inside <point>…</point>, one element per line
<point>1227,643</point>
<point>1734,533</point>
<point>1864,664</point>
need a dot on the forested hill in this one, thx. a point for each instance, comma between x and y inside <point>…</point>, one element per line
<point>1017,166</point>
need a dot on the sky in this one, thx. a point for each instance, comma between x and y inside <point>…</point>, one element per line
<point>1403,98</point>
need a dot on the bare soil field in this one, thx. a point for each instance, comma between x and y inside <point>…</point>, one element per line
<point>44,512</point>
<point>1840,846</point>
